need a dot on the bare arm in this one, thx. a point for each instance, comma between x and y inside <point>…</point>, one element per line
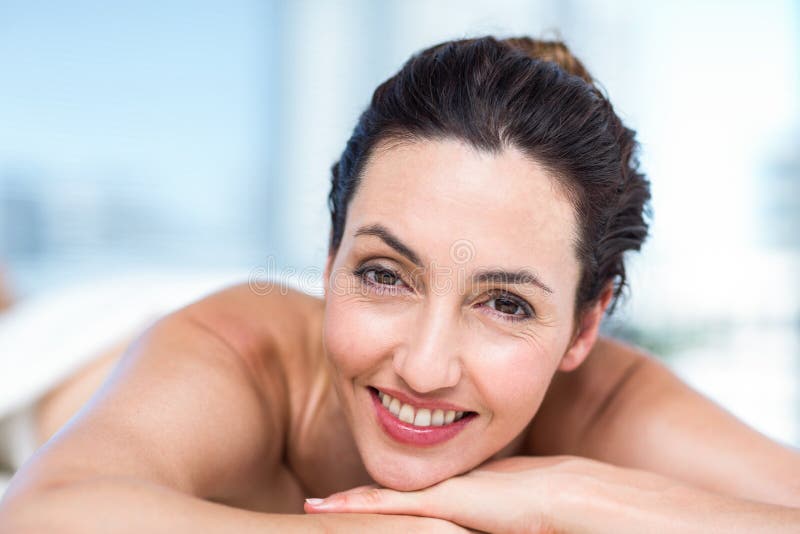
<point>626,408</point>
<point>570,494</point>
<point>135,505</point>
<point>187,421</point>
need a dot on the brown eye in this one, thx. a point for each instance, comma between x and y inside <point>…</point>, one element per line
<point>380,277</point>
<point>506,306</point>
<point>509,307</point>
<point>383,277</point>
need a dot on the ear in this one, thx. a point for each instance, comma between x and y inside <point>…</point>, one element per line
<point>586,332</point>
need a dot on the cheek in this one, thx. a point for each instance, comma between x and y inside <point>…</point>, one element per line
<point>513,378</point>
<point>356,338</point>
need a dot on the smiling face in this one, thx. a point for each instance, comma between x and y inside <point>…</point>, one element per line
<point>453,289</point>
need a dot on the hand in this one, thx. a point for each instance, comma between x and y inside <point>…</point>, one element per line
<point>567,494</point>
<point>510,495</point>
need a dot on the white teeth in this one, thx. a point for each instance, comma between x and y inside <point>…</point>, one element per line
<point>437,419</point>
<point>394,406</point>
<point>423,417</point>
<point>419,416</point>
<point>406,413</point>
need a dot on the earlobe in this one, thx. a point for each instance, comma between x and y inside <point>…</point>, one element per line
<point>586,333</point>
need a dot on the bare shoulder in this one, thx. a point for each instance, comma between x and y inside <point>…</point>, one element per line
<point>268,319</point>
<point>576,399</point>
<point>623,406</point>
<point>276,331</point>
<point>197,403</point>
<point>261,325</point>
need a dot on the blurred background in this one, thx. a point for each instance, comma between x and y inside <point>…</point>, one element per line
<point>194,139</point>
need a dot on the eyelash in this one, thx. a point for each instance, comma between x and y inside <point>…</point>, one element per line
<point>529,313</point>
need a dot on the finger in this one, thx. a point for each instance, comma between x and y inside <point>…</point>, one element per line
<point>370,499</point>
<point>453,499</point>
<point>356,489</point>
<point>312,504</point>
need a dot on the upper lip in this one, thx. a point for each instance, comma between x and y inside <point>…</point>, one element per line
<point>418,402</point>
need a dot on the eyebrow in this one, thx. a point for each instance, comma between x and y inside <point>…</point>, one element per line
<point>390,239</point>
<point>521,276</point>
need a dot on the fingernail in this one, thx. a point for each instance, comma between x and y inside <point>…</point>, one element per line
<point>315,502</point>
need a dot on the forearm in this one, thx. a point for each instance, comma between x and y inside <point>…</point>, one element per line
<point>129,505</point>
<point>674,508</point>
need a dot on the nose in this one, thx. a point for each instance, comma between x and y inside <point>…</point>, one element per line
<point>430,358</point>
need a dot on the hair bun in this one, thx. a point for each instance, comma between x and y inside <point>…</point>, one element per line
<point>553,51</point>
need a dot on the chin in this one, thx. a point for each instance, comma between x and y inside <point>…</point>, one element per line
<point>402,480</point>
<point>410,473</point>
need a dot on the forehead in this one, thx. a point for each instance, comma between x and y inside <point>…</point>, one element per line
<point>434,193</point>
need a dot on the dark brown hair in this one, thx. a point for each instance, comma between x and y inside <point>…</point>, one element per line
<point>530,94</point>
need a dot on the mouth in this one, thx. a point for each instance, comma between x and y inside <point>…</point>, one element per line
<point>416,425</point>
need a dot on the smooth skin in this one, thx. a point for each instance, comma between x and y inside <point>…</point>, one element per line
<point>226,414</point>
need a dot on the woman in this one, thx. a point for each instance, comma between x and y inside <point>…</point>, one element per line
<point>452,377</point>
